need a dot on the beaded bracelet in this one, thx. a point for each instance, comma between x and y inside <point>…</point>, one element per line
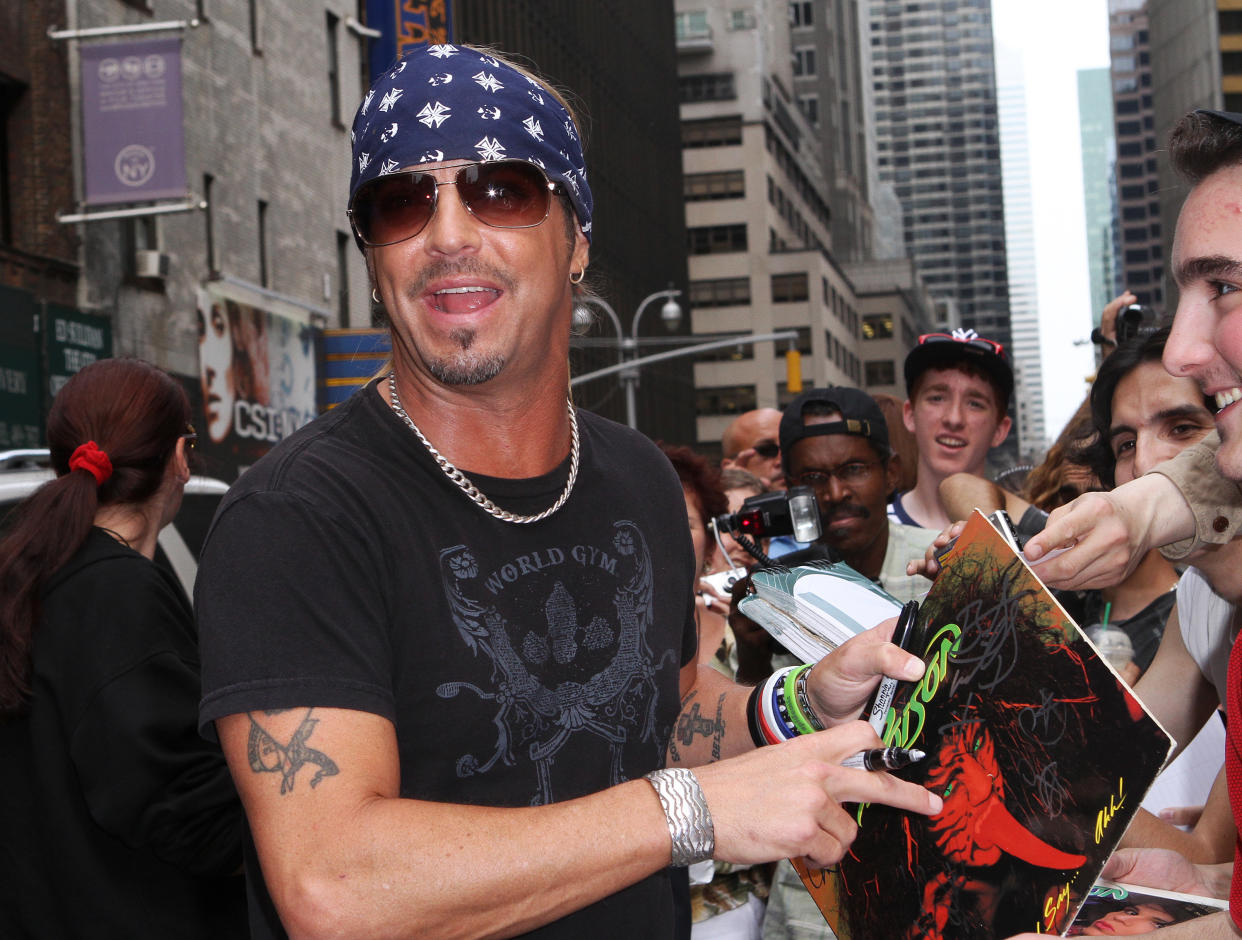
<point>800,720</point>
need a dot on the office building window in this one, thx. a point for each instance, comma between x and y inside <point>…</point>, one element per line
<point>209,222</point>
<point>877,326</point>
<point>710,86</point>
<point>802,13</point>
<point>809,106</point>
<point>692,24</point>
<point>728,184</point>
<point>713,132</point>
<point>789,288</point>
<point>262,238</point>
<point>720,292</point>
<point>726,400</point>
<point>344,246</point>
<point>10,94</point>
<point>716,239</point>
<point>256,24</point>
<point>804,61</point>
<point>334,68</point>
<point>880,372</point>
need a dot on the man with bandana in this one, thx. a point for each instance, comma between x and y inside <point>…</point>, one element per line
<point>447,629</point>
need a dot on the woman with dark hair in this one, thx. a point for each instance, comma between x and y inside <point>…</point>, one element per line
<point>118,819</point>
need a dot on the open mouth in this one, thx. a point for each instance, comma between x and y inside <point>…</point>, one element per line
<point>456,300</point>
<point>953,443</point>
<point>1227,397</point>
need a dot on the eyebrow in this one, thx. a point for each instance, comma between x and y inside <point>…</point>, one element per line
<point>1180,411</point>
<point>1209,267</point>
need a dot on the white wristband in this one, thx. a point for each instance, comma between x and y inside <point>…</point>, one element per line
<point>685,811</point>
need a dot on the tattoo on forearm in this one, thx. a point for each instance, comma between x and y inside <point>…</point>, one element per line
<point>692,722</point>
<point>718,735</point>
<point>267,755</point>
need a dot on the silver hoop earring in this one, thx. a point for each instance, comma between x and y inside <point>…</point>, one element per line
<point>578,279</point>
<point>375,297</point>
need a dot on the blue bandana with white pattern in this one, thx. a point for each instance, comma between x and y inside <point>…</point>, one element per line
<point>456,103</point>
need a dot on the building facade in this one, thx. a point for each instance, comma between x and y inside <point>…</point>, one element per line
<point>1138,185</point>
<point>1020,248</point>
<point>1099,186</point>
<point>230,285</point>
<point>758,220</point>
<point>938,144</point>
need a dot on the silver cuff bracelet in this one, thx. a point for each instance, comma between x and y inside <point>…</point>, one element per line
<point>685,811</point>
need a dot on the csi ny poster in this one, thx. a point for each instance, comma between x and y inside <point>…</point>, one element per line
<point>257,382</point>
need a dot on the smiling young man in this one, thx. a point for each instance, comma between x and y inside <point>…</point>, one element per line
<point>959,385</point>
<point>440,690</point>
<point>1105,533</point>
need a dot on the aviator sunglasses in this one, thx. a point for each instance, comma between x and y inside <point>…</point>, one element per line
<point>499,193</point>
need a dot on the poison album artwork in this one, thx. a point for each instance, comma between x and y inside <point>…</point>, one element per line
<point>1040,751</point>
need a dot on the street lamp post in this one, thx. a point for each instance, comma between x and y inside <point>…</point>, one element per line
<point>627,346</point>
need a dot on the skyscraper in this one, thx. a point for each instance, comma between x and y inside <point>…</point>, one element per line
<point>1099,185</point>
<point>938,143</point>
<point>1138,186</point>
<point>1020,245</point>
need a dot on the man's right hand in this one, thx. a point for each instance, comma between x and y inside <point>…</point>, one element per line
<point>1107,534</point>
<point>784,800</point>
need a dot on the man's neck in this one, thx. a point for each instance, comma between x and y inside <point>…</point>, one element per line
<point>922,504</point>
<point>492,431</point>
<point>869,562</point>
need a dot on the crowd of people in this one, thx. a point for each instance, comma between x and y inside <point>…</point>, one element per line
<point>456,667</point>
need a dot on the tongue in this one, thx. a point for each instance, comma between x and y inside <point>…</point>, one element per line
<point>467,302</point>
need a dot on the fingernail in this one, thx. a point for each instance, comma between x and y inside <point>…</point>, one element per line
<point>936,803</point>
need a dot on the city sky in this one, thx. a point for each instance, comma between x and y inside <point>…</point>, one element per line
<point>1065,36</point>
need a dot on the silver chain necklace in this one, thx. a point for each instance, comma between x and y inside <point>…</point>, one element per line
<point>468,487</point>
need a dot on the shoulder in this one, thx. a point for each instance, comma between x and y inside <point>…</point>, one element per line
<point>897,512</point>
<point>906,536</point>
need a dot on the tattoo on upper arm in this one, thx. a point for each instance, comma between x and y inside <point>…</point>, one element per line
<point>267,755</point>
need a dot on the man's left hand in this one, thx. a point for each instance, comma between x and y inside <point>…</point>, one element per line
<point>843,681</point>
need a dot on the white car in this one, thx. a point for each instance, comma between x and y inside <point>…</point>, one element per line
<point>24,471</point>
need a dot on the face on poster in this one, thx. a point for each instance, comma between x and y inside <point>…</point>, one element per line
<point>256,378</point>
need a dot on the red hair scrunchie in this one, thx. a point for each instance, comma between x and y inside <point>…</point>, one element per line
<point>90,458</point>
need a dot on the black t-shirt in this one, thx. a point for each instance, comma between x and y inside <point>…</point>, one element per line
<point>520,664</point>
<point>118,819</point>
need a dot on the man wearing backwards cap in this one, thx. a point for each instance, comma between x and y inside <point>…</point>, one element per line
<point>440,689</point>
<point>959,385</point>
<point>835,440</point>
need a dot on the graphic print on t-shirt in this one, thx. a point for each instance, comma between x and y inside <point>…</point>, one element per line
<point>565,628</point>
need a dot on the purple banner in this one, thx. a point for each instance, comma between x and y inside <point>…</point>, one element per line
<point>132,142</point>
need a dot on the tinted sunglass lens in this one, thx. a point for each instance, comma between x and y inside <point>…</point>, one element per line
<point>767,450</point>
<point>394,208</point>
<point>509,194</point>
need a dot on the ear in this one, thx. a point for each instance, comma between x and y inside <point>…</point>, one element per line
<point>1002,431</point>
<point>180,463</point>
<point>907,415</point>
<point>892,472</point>
<point>580,256</point>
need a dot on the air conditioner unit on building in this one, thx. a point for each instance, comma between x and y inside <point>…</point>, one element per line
<point>150,264</point>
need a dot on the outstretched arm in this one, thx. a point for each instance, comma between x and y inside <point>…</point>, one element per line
<point>343,854</point>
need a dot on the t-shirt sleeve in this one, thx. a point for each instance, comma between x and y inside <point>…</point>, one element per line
<point>291,606</point>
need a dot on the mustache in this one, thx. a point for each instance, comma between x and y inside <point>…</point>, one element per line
<point>470,267</point>
<point>843,511</point>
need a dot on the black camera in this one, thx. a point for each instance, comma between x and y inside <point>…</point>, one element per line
<point>792,512</point>
<point>1135,320</point>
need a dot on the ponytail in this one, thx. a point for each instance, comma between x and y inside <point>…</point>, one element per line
<point>111,431</point>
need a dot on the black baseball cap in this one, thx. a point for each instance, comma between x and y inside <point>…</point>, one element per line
<point>944,350</point>
<point>860,416</point>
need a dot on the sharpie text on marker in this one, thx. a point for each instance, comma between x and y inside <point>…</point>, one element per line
<point>884,758</point>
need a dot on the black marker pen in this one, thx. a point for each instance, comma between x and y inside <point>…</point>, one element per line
<point>904,635</point>
<point>884,758</point>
